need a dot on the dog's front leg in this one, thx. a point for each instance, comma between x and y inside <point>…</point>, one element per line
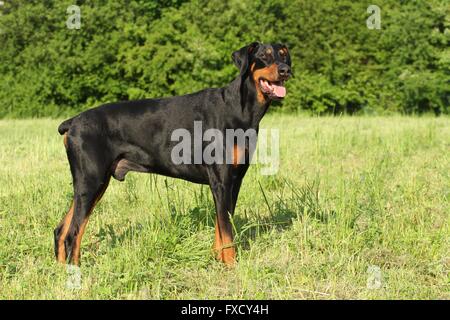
<point>223,242</point>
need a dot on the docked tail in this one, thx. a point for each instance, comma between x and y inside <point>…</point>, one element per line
<point>65,126</point>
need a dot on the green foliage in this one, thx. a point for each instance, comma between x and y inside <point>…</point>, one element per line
<point>137,48</point>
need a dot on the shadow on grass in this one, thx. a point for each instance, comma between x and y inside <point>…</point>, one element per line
<point>282,210</point>
<point>301,201</point>
<point>114,238</point>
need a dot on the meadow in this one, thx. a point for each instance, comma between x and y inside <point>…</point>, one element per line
<point>355,199</point>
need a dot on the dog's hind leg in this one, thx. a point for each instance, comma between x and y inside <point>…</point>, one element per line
<point>88,193</point>
<point>70,231</point>
<point>60,235</point>
<point>61,230</point>
<point>91,173</point>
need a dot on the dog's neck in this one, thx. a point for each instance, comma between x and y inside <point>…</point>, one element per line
<point>246,102</point>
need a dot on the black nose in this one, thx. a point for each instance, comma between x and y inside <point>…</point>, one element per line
<point>284,71</point>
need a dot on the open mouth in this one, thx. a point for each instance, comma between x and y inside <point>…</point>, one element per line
<point>274,89</point>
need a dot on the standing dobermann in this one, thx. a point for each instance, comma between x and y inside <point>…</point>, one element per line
<point>115,138</point>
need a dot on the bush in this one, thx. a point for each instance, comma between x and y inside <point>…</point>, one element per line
<point>137,48</point>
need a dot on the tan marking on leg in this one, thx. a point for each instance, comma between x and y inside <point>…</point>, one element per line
<point>223,246</point>
<point>228,252</point>
<point>217,240</point>
<point>79,237</point>
<point>77,245</point>
<point>66,224</point>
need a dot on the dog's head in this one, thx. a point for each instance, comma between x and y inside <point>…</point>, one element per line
<point>267,65</point>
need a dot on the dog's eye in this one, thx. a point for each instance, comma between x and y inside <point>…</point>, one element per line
<point>266,55</point>
<point>283,54</point>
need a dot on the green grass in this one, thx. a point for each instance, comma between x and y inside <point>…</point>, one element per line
<point>351,193</point>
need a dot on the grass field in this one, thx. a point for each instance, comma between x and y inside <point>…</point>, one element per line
<point>351,195</point>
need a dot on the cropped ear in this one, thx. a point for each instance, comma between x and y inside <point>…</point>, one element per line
<point>241,57</point>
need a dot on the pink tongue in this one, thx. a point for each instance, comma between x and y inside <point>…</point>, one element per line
<point>279,91</point>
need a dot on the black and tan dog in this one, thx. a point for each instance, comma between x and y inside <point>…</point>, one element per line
<point>136,136</point>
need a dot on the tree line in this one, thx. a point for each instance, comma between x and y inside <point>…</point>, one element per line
<point>135,49</point>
